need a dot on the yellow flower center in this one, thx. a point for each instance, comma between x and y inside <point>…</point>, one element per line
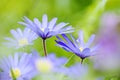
<point>23,42</point>
<point>42,29</point>
<point>15,73</point>
<point>44,65</point>
<point>81,49</point>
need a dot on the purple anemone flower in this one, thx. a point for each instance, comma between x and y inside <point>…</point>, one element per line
<point>17,67</point>
<point>21,38</point>
<point>46,29</point>
<point>78,47</point>
<point>49,64</point>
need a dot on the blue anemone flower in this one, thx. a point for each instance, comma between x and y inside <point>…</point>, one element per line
<point>46,29</point>
<point>21,38</point>
<point>49,64</point>
<point>18,67</point>
<point>78,47</point>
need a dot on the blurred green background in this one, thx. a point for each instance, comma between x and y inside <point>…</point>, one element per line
<point>81,14</point>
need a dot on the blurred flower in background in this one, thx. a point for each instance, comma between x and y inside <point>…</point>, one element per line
<point>50,67</point>
<point>21,38</point>
<point>49,64</point>
<point>78,71</point>
<point>17,67</point>
<point>109,52</point>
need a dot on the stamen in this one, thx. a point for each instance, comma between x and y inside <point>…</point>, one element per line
<point>42,29</point>
<point>15,73</point>
<point>81,49</point>
<point>23,42</point>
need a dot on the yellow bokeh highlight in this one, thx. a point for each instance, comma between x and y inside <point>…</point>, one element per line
<point>42,29</point>
<point>23,42</point>
<point>15,73</point>
<point>44,65</point>
<point>81,49</point>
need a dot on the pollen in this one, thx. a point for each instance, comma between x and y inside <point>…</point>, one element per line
<point>42,29</point>
<point>44,65</point>
<point>15,73</point>
<point>81,49</point>
<point>23,42</point>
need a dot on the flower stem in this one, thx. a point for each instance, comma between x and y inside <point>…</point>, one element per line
<point>81,61</point>
<point>24,49</point>
<point>44,47</point>
<point>69,59</point>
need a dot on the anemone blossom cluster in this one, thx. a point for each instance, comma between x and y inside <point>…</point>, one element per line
<point>26,66</point>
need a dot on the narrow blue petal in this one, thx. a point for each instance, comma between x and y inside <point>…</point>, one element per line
<point>16,57</point>
<point>52,24</point>
<point>4,76</point>
<point>20,33</point>
<point>15,34</point>
<point>81,38</point>
<point>85,53</point>
<point>59,26</point>
<point>27,20</point>
<point>95,48</point>
<point>68,40</point>
<point>10,39</point>
<point>68,29</point>
<point>37,22</point>
<point>44,21</point>
<point>91,39</point>
<point>63,45</point>
<point>74,41</point>
<point>58,38</point>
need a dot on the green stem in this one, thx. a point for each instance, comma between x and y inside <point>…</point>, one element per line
<point>81,61</point>
<point>44,47</point>
<point>69,59</point>
<point>24,49</point>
